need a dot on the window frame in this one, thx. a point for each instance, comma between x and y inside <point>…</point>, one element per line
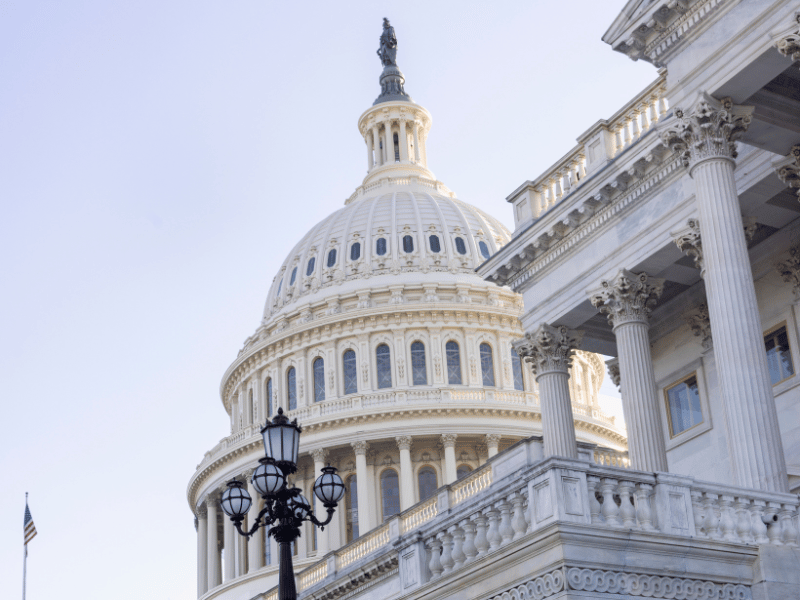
<point>353,246</point>
<point>447,365</point>
<point>314,378</point>
<point>436,474</point>
<point>695,367</point>
<point>674,384</point>
<point>792,345</point>
<point>331,253</point>
<point>431,238</point>
<point>512,351</point>
<point>403,243</point>
<point>460,238</point>
<point>385,246</point>
<point>380,492</point>
<point>480,361</point>
<point>481,244</point>
<point>424,361</point>
<point>344,374</point>
<point>391,367</point>
<point>291,369</point>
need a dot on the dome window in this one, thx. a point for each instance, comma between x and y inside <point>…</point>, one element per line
<point>426,478</point>
<point>453,363</point>
<point>484,249</point>
<point>435,246</point>
<point>319,379</point>
<point>487,365</point>
<point>331,258</point>
<point>380,246</point>
<point>291,388</point>
<point>384,363</point>
<point>396,148</point>
<point>269,397</point>
<point>350,372</point>
<point>280,285</point>
<point>293,277</point>
<point>418,370</point>
<point>461,248</point>
<point>408,244</point>
<point>310,267</point>
<point>390,494</point>
<point>355,251</point>
<point>516,367</point>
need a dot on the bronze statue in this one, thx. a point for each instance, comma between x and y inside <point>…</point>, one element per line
<point>388,50</point>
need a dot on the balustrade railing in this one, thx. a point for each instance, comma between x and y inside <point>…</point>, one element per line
<point>363,546</point>
<point>611,458</point>
<point>421,513</point>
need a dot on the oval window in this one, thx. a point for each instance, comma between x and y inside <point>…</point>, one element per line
<point>408,243</point>
<point>484,249</point>
<point>435,247</point>
<point>310,267</point>
<point>380,246</point>
<point>294,275</point>
<point>355,251</point>
<point>461,248</point>
<point>280,285</point>
<point>332,258</point>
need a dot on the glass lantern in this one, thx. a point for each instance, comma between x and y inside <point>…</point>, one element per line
<point>329,487</point>
<point>235,500</point>
<point>282,442</point>
<point>267,478</point>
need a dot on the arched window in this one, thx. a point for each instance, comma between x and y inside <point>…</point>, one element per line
<point>396,148</point>
<point>463,471</point>
<point>453,363</point>
<point>516,367</point>
<point>355,251</point>
<point>351,506</point>
<point>269,397</point>
<point>487,365</point>
<point>380,246</point>
<point>408,244</point>
<point>384,363</point>
<point>484,249</point>
<point>434,240</point>
<point>350,372</point>
<point>418,371</point>
<point>294,275</point>
<point>319,380</point>
<point>461,247</point>
<point>390,494</point>
<point>310,267</point>
<point>426,478</point>
<point>291,388</point>
<point>331,257</point>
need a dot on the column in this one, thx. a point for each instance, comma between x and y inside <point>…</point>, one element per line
<point>388,144</point>
<point>258,408</point>
<point>449,443</point>
<point>415,134</point>
<point>627,301</point>
<point>244,404</point>
<point>229,544</point>
<point>406,472</point>
<point>212,551</point>
<point>368,140</point>
<point>402,139</point>
<point>549,350</point>
<point>705,136</point>
<point>202,550</point>
<point>255,545</point>
<point>320,455</point>
<point>241,554</point>
<point>376,146</point>
<point>492,443</point>
<point>366,519</point>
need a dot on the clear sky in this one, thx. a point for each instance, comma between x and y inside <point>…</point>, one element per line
<point>157,161</point>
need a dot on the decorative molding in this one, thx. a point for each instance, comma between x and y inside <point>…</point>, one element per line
<point>788,169</point>
<point>627,298</point>
<point>549,348</point>
<point>449,440</point>
<point>789,270</point>
<point>404,442</point>
<point>708,129</point>
<point>360,447</point>
<point>788,43</point>
<point>612,366</point>
<point>538,588</point>
<point>320,455</point>
<point>700,322</point>
<point>493,439</point>
<point>689,240</point>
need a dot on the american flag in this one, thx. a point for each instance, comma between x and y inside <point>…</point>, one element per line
<point>30,528</point>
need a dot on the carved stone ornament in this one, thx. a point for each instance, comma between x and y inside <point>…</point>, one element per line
<point>707,129</point>
<point>493,439</point>
<point>790,270</point>
<point>789,44</point>
<point>449,440</point>
<point>360,447</point>
<point>627,298</point>
<point>320,455</point>
<point>789,169</point>
<point>700,323</point>
<point>201,511</point>
<point>690,243</point>
<point>549,348</point>
<point>403,442</point>
<point>612,366</point>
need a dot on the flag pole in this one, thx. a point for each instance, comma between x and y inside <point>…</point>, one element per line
<point>24,558</point>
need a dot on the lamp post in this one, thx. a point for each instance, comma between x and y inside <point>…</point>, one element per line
<point>285,508</point>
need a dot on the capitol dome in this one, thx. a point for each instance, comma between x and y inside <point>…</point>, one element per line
<point>396,358</point>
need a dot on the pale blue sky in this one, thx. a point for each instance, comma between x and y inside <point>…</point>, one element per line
<point>157,160</point>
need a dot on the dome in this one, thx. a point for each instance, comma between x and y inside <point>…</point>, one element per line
<point>404,233</point>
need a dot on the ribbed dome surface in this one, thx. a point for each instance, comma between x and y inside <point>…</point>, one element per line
<point>346,246</point>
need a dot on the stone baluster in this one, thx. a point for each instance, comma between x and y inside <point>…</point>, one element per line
<point>627,131</point>
<point>653,110</point>
<point>699,514</point>
<point>743,529</point>
<point>727,523</point>
<point>626,510</point>
<point>447,551</point>
<point>618,140</point>
<point>773,524</point>
<point>759,528</point>
<point>469,548</point>
<point>610,508</point>
<point>493,534</point>
<point>458,546</point>
<point>712,516</point>
<point>644,515</point>
<point>506,530</point>
<point>595,507</point>
<point>435,565</point>
<point>518,523</point>
<point>635,125</point>
<point>643,114</point>
<point>481,540</point>
<point>704,136</point>
<point>785,518</point>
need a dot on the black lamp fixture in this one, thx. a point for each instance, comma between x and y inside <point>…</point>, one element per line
<point>285,508</point>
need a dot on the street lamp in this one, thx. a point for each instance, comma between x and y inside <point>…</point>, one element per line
<point>285,508</point>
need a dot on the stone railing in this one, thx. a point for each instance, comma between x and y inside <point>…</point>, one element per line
<point>421,513</point>
<point>363,546</point>
<point>408,180</point>
<point>476,481</point>
<point>611,458</point>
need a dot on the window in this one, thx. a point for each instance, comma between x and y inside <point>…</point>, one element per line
<point>487,365</point>
<point>516,367</point>
<point>291,388</point>
<point>319,380</point>
<point>426,478</point>
<point>779,356</point>
<point>396,148</point>
<point>310,267</point>
<point>350,373</point>
<point>461,247</point>
<point>269,397</point>
<point>418,372</point>
<point>380,246</point>
<point>355,251</point>
<point>683,405</point>
<point>484,249</point>
<point>408,244</point>
<point>280,285</point>
<point>331,257</point>
<point>253,407</point>
<point>453,363</point>
<point>463,471</point>
<point>294,275</point>
<point>267,547</point>
<point>434,240</point>
<point>351,506</point>
<point>384,364</point>
<point>390,494</point>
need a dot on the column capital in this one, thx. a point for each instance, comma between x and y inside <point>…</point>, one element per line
<point>360,447</point>
<point>549,348</point>
<point>628,298</point>
<point>612,365</point>
<point>689,242</point>
<point>201,511</point>
<point>789,270</point>
<point>700,322</point>
<point>788,44</point>
<point>247,475</point>
<point>403,442</point>
<point>493,439</point>
<point>320,455</point>
<point>788,169</point>
<point>706,129</point>
<point>449,440</point>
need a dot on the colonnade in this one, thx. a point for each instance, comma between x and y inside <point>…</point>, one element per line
<point>247,556</point>
<point>380,142</point>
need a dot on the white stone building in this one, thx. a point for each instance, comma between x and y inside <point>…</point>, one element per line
<point>393,354</point>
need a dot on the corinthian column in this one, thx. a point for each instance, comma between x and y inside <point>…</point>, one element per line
<point>627,301</point>
<point>212,552</point>
<point>449,444</point>
<point>704,135</point>
<point>255,545</point>
<point>202,549</point>
<point>549,350</point>
<point>406,472</point>
<point>320,455</point>
<point>229,542</point>
<point>366,520</point>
